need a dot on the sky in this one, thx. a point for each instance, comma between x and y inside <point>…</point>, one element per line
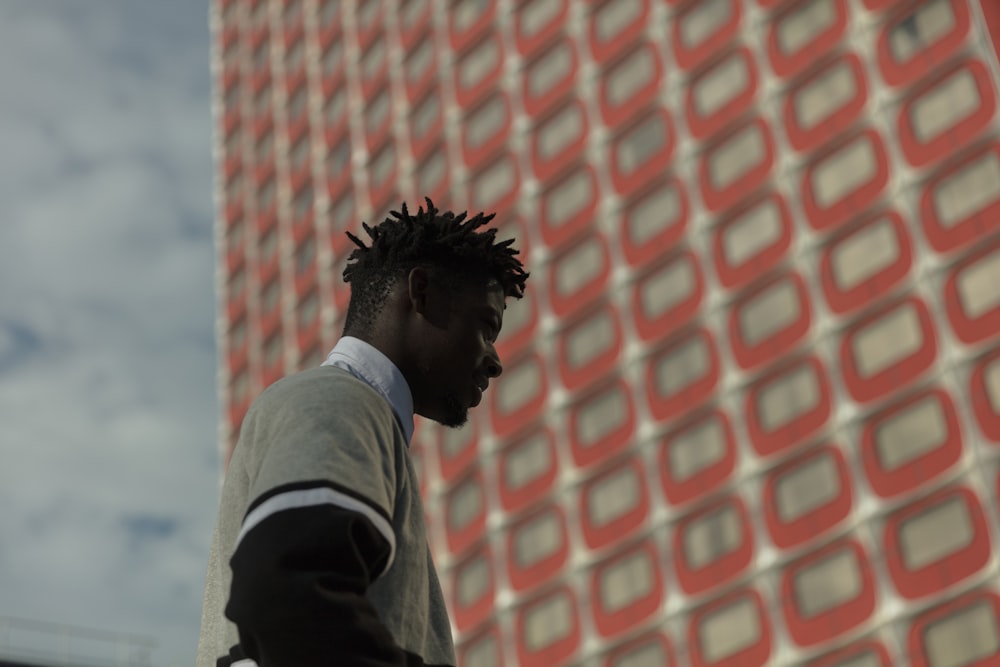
<point>109,466</point>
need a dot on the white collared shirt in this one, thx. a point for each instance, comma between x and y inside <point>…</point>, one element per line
<point>368,364</point>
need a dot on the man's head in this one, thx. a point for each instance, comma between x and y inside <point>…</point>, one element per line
<point>430,293</point>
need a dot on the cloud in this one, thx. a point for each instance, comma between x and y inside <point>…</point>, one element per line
<point>107,360</point>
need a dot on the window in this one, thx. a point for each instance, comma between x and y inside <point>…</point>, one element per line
<point>231,98</point>
<point>268,247</point>
<point>329,11</point>
<point>265,196</point>
<point>333,58</point>
<point>233,141</point>
<point>272,351</point>
<point>262,100</point>
<point>238,335</point>
<point>234,188</point>
<point>308,310</point>
<point>299,157</point>
<point>297,103</point>
<point>237,283</point>
<point>295,54</point>
<point>262,54</point>
<point>264,150</point>
<point>293,11</point>
<point>302,204</point>
<point>269,297</point>
<point>234,238</point>
<point>305,256</point>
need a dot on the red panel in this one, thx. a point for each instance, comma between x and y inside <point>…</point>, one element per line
<point>725,520</point>
<point>537,22</point>
<point>991,15</point>
<point>579,275</point>
<point>811,626</point>
<point>703,629</point>
<point>891,472</point>
<point>568,207</point>
<point>654,221</point>
<point>702,29</point>
<point>873,651</point>
<point>971,298</point>
<point>904,56</point>
<point>652,644</point>
<point>668,297</point>
<point>804,33</point>
<point>549,76</point>
<point>686,387</point>
<point>935,572</point>
<point>752,241</point>
<point>590,347</point>
<point>600,425</point>
<point>527,469</point>
<point>720,191</point>
<point>830,205</point>
<point>941,142</point>
<point>704,116</point>
<point>630,84</point>
<point>537,647</point>
<point>614,617</point>
<point>852,276</point>
<point>867,373</point>
<point>614,504</point>
<point>537,548</point>
<point>474,19</point>
<point>786,324</point>
<point>642,151</point>
<point>806,380</point>
<point>615,25</point>
<point>697,458</point>
<point>513,407</point>
<point>953,220</point>
<point>468,613</point>
<point>558,139</point>
<point>457,449</point>
<point>926,626</point>
<point>816,129</point>
<point>478,70</point>
<point>984,390</point>
<point>486,128</point>
<point>465,512</point>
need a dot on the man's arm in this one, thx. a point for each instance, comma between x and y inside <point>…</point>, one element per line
<point>300,571</point>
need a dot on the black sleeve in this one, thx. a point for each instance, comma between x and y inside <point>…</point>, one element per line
<point>297,597</point>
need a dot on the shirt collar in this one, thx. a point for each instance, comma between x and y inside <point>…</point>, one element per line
<point>365,362</point>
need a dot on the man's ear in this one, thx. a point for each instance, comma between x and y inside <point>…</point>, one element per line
<point>418,285</point>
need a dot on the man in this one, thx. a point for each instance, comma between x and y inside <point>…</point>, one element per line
<point>320,554</point>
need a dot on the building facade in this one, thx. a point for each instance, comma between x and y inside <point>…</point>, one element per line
<point>751,406</point>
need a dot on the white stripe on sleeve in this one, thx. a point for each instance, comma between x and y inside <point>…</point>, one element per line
<point>319,496</point>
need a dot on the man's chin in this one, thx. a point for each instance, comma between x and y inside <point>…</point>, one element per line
<point>455,415</point>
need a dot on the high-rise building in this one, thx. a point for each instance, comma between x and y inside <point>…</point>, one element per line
<point>751,407</point>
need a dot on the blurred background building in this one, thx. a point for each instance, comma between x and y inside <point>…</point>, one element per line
<point>751,407</point>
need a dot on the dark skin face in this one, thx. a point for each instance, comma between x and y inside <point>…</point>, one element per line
<point>443,342</point>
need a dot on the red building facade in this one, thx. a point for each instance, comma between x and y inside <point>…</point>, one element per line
<point>751,407</point>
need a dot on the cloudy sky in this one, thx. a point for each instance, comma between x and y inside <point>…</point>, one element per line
<point>108,459</point>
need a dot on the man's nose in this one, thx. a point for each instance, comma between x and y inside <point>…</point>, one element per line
<point>493,366</point>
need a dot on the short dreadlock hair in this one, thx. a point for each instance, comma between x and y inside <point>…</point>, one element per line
<point>449,245</point>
